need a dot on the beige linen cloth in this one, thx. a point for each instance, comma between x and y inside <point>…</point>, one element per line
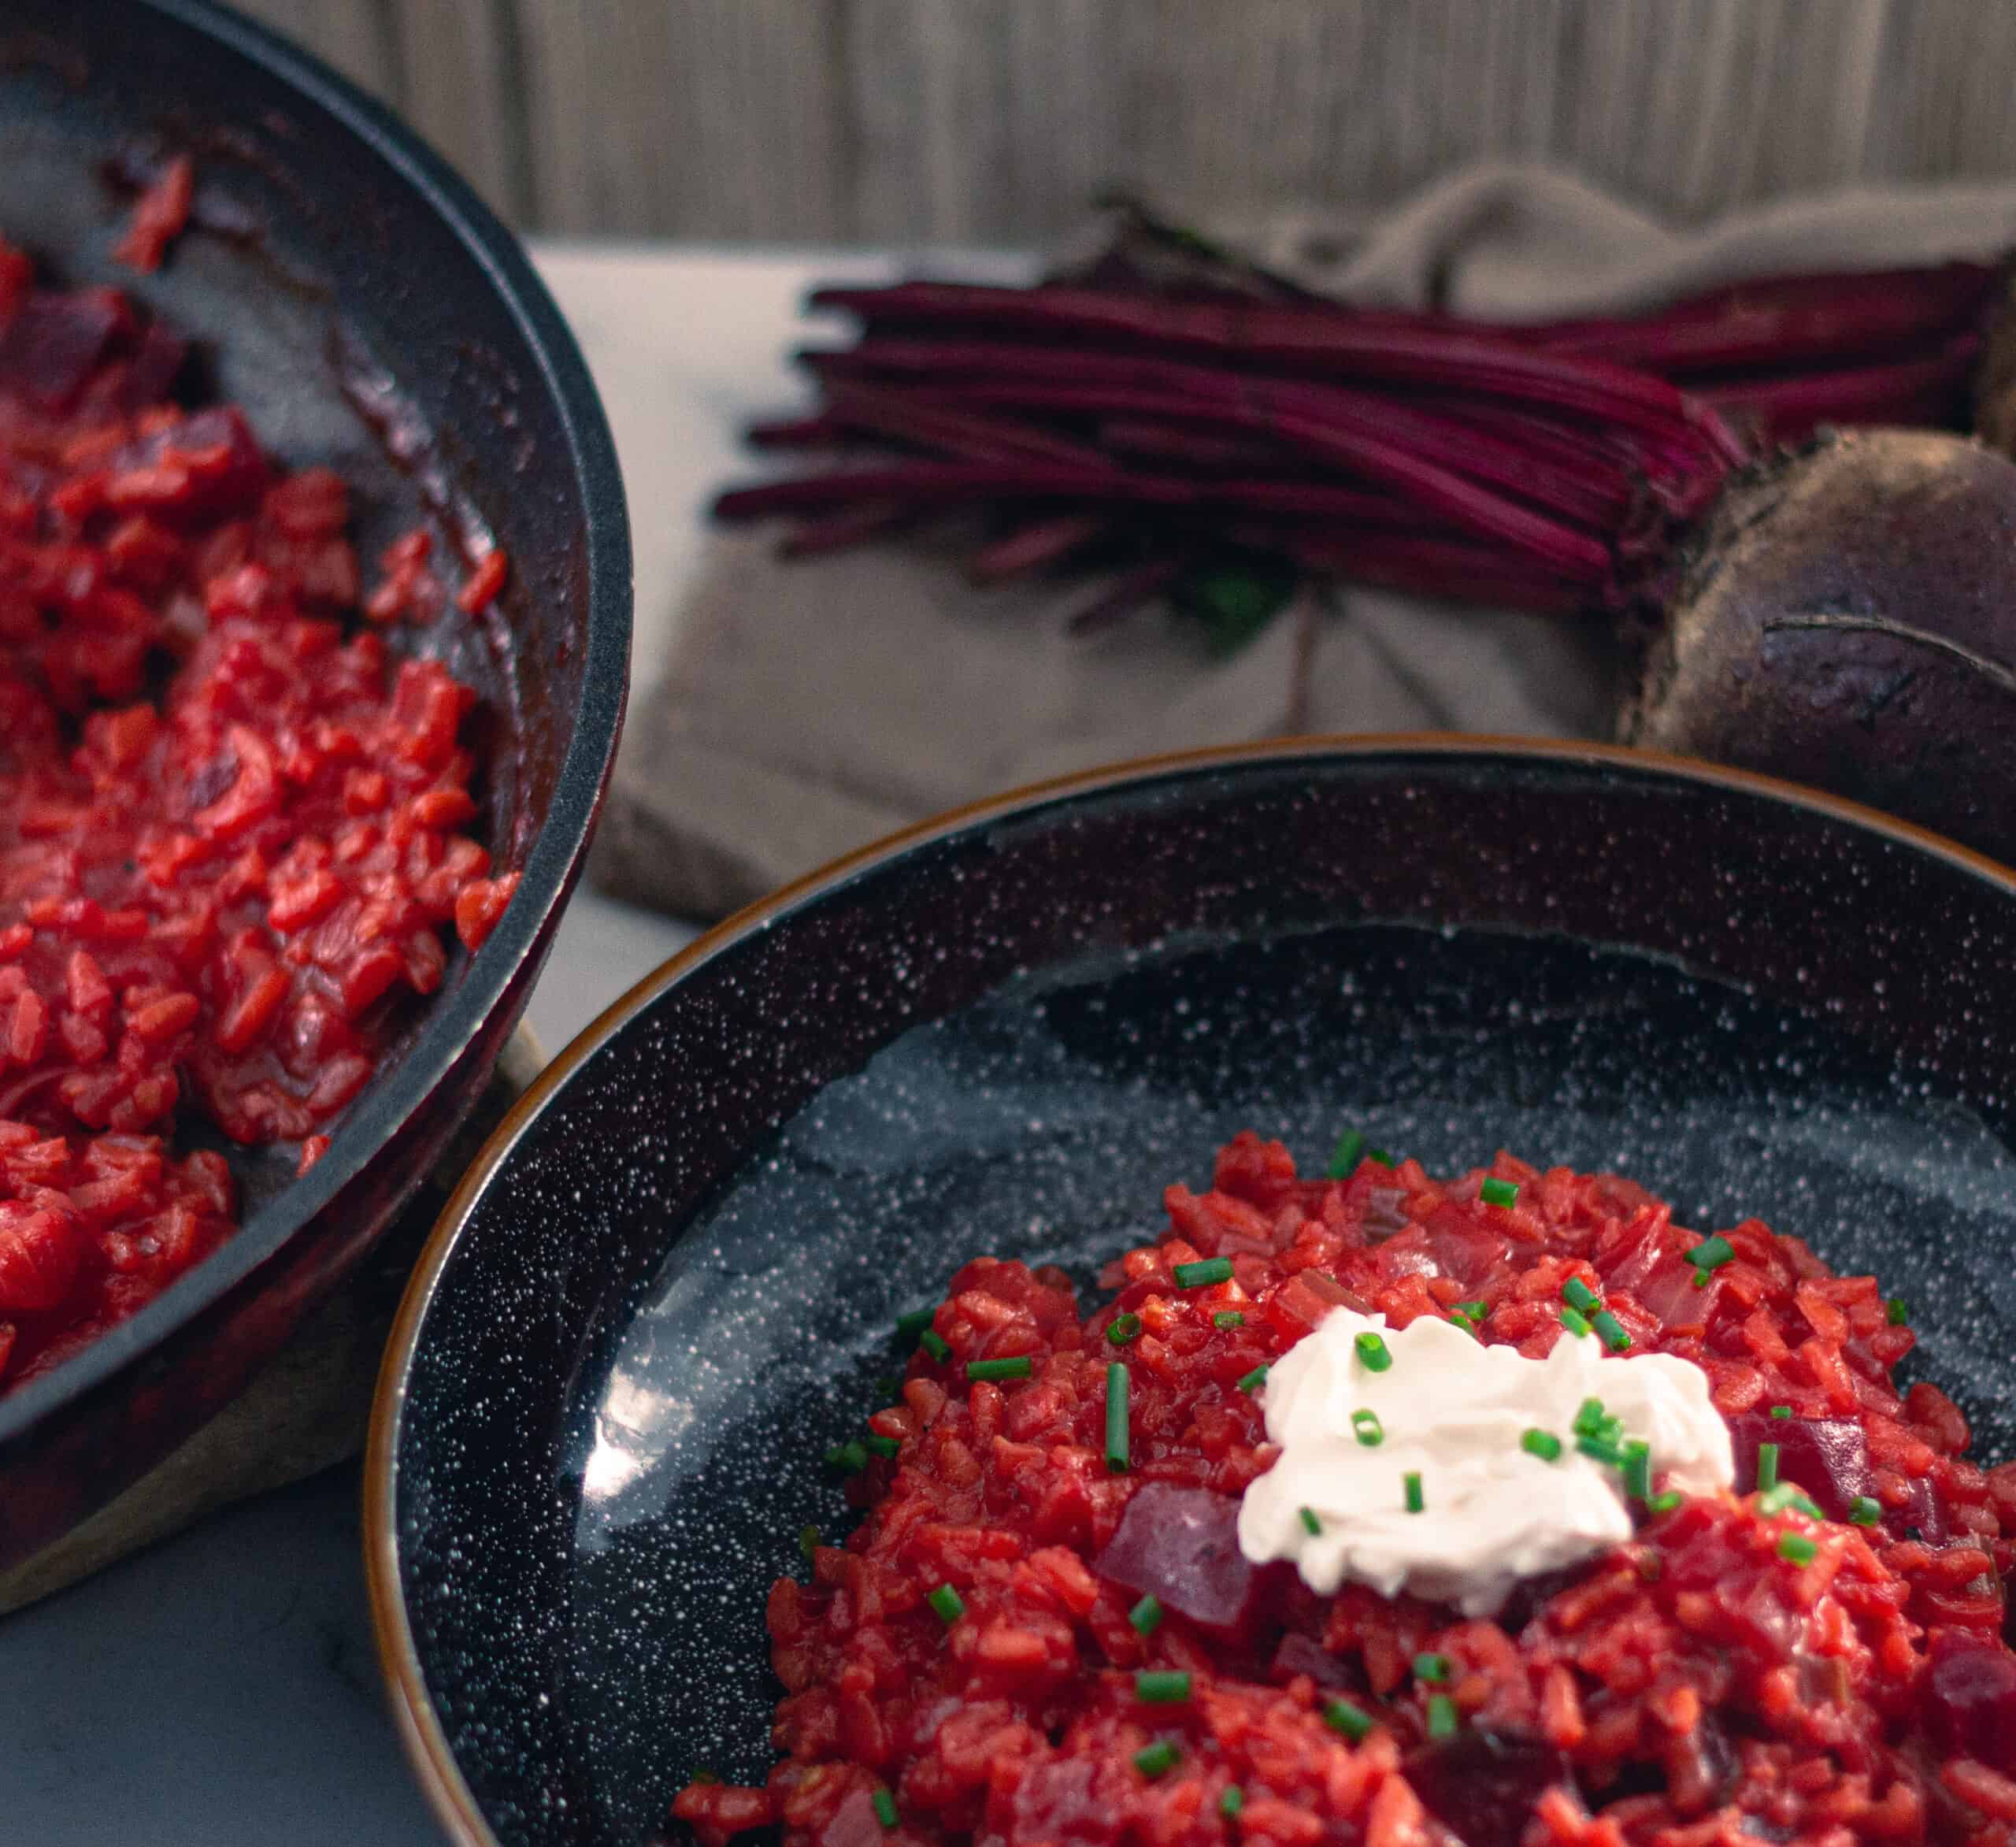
<point>807,708</point>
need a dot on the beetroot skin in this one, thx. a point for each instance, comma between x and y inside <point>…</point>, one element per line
<point>1848,618</point>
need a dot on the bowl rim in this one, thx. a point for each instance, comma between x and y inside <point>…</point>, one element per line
<point>420,1731</point>
<point>554,862</point>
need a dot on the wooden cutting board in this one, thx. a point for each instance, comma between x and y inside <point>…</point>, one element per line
<point>307,1410</point>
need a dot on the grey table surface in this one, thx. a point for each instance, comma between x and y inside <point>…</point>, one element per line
<point>222,1688</point>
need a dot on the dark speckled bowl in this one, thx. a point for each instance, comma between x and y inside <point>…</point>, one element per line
<point>671,1279</point>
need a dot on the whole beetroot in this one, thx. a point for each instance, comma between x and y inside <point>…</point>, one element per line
<point>1848,618</point>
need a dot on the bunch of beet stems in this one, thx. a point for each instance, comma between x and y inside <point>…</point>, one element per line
<point>1545,467</point>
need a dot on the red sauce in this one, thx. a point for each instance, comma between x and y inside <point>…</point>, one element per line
<point>233,824</point>
<point>1700,1686</point>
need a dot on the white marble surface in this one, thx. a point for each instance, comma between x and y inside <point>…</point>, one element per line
<point>221,1690</point>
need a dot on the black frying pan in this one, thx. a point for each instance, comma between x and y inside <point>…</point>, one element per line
<point>368,312</point>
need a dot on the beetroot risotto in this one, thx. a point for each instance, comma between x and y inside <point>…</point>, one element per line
<point>1045,1629</point>
<point>232,823</point>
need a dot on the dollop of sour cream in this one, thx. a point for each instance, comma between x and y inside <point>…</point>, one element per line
<point>1453,1412</point>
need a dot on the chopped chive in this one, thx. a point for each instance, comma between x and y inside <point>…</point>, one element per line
<point>1228,1317</point>
<point>935,1343</point>
<point>1864,1511</point>
<point>1161,1687</point>
<point>1703,1278</point>
<point>1381,1156</point>
<point>1434,1668</point>
<point>1897,1311</point>
<point>1575,1321</point>
<point>1348,1717</point>
<point>1443,1720</point>
<point>1577,1294</point>
<point>1476,1310</point>
<point>1600,1449</point>
<point>1665,1502</point>
<point>1344,1156</point>
<point>1157,1759</point>
<point>1458,1318</point>
<point>1367,1428</point>
<point>1588,1417</point>
<point>1411,1490</point>
<point>1310,1524</point>
<point>1638,1471</point>
<point>1122,1328</point>
<point>1373,1352</point>
<point>1204,1271</point>
<point>1795,1548</point>
<point>1252,1381</point>
<point>1498,1193</point>
<point>1711,1253</point>
<point>1767,1465</point>
<point>1781,1411</point>
<point>885,1808</point>
<point>1807,1506</point>
<point>886,1446</point>
<point>1614,1336</point>
<point>1146,1615</point>
<point>1019,1367</point>
<point>807,1542</point>
<point>1543,1443</point>
<point>1118,1454</point>
<point>849,1459</point>
<point>1231,1801</point>
<point>949,1605</point>
<point>913,1324</point>
<point>1780,1495</point>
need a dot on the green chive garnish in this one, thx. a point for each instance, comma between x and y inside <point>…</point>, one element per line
<point>949,1605</point>
<point>913,1324</point>
<point>1157,1759</point>
<point>935,1343</point>
<point>1117,1449</point>
<point>1781,1411</point>
<point>1443,1719</point>
<point>1122,1328</point>
<point>1458,1318</point>
<point>1612,1330</point>
<point>1349,1718</point>
<point>885,1808</point>
<point>1373,1352</point>
<point>1367,1428</point>
<point>1711,1253</point>
<point>1665,1502</point>
<point>1543,1443</point>
<point>1498,1193</point>
<point>1410,1488</point>
<point>1785,1494</point>
<point>1159,1687</point>
<point>1310,1525</point>
<point>1577,1294</point>
<point>1575,1321</point>
<point>1252,1381</point>
<point>1703,1278</point>
<point>807,1542</point>
<point>1897,1311</point>
<point>849,1459</point>
<point>885,1446</point>
<point>1795,1548</point>
<point>1434,1668</point>
<point>1204,1271</point>
<point>1231,1801</point>
<point>1146,1615</point>
<point>1228,1318</point>
<point>1344,1156</point>
<point>1588,1417</point>
<point>1476,1310</point>
<point>1381,1156</point>
<point>1601,1449</point>
<point>1767,1465</point>
<point>1638,1471</point>
<point>1864,1512</point>
<point>1019,1367</point>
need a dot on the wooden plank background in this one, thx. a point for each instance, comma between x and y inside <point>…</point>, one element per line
<point>996,120</point>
